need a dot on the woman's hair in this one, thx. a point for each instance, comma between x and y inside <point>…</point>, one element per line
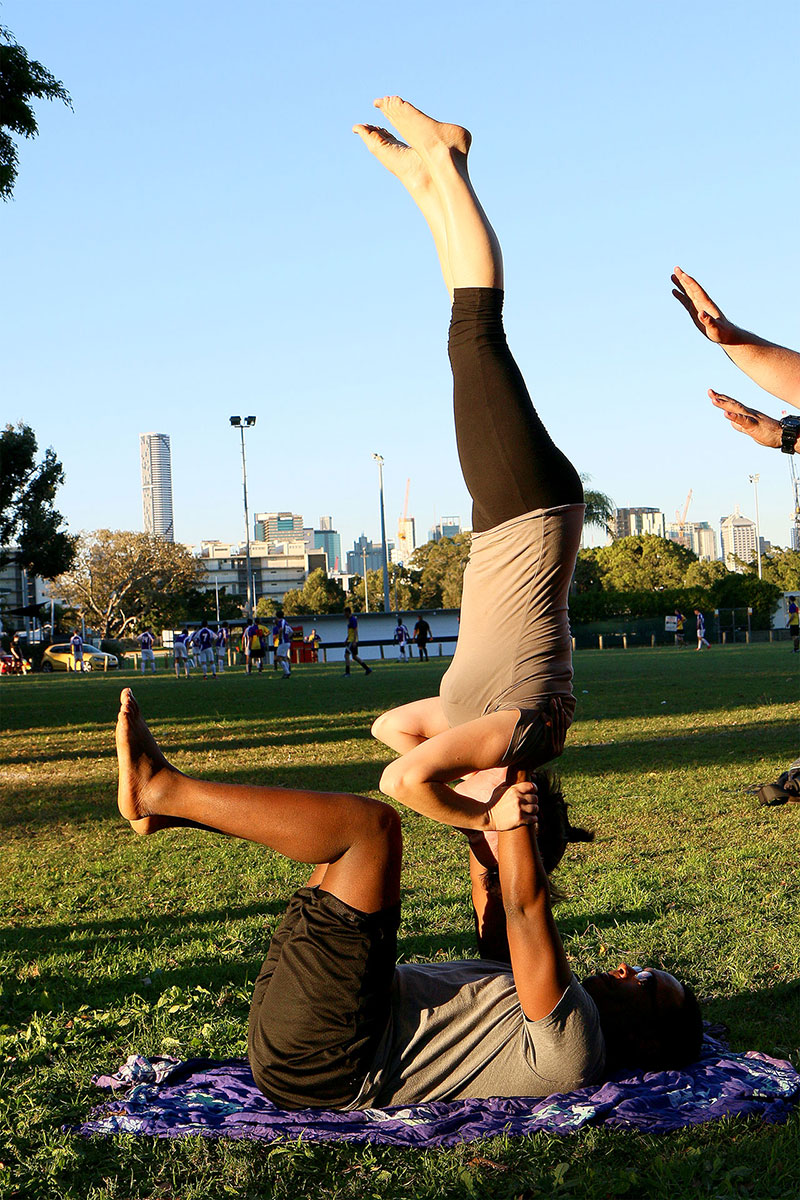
<point>555,832</point>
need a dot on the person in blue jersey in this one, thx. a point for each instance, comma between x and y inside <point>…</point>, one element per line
<point>76,648</point>
<point>204,644</point>
<point>221,647</point>
<point>282,634</point>
<point>402,637</point>
<point>146,643</point>
<point>180,652</point>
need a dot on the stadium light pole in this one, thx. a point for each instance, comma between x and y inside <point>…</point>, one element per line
<point>242,423</point>
<point>386,601</point>
<point>754,480</point>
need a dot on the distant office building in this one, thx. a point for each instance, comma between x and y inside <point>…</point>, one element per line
<point>697,536</point>
<point>629,521</point>
<point>278,527</point>
<point>703,540</point>
<point>738,537</point>
<point>275,572</point>
<point>406,539</point>
<point>363,550</point>
<point>157,485</point>
<point>448,527</point>
<point>326,538</point>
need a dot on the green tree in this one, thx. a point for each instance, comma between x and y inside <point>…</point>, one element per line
<point>319,594</point>
<point>588,577</point>
<point>441,571</point>
<point>643,562</point>
<point>21,80</point>
<point>121,580</point>
<point>746,590</point>
<point>782,567</point>
<point>599,508</point>
<point>266,607</point>
<point>704,573</point>
<point>404,590</point>
<point>28,520</point>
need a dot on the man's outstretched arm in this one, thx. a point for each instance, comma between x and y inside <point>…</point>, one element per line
<point>538,960</point>
<point>774,368</point>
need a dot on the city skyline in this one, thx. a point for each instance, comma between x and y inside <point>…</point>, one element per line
<point>318,304</point>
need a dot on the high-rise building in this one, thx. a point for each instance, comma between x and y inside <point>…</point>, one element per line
<point>371,551</point>
<point>628,521</point>
<point>157,485</point>
<point>738,537</point>
<point>448,527</point>
<point>406,539</point>
<point>702,539</point>
<point>326,538</point>
<point>278,527</point>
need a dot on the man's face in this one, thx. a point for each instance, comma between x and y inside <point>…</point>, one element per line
<point>627,989</point>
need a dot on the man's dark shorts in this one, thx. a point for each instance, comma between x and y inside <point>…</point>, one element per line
<point>322,1001</point>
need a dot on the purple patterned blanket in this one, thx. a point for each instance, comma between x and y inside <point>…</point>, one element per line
<point>166,1098</point>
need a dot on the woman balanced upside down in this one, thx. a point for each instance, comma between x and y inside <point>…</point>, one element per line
<point>507,696</point>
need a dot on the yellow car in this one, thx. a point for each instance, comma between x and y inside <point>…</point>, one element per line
<point>58,657</point>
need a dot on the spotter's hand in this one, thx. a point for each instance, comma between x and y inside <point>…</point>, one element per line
<point>757,425</point>
<point>707,316</point>
<point>512,805</point>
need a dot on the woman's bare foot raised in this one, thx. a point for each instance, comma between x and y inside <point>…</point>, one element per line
<point>143,769</point>
<point>397,157</point>
<point>426,136</point>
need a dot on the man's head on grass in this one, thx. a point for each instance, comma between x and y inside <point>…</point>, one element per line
<point>649,1018</point>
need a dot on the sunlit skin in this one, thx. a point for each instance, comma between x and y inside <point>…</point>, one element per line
<point>628,988</point>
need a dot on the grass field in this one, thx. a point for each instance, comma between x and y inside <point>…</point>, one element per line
<point>113,944</point>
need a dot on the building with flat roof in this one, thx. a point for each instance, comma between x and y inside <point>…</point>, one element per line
<point>275,571</point>
<point>154,453</point>
<point>738,537</point>
<point>629,521</point>
<point>448,527</point>
<point>278,527</point>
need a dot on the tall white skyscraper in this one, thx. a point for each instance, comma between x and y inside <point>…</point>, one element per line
<point>157,485</point>
<point>738,537</point>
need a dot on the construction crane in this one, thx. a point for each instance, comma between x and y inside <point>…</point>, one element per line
<point>405,506</point>
<point>680,518</point>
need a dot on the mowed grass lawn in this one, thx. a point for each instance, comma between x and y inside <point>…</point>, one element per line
<point>114,944</point>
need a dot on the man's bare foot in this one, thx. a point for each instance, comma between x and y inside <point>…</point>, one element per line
<point>396,156</point>
<point>142,768</point>
<point>425,135</point>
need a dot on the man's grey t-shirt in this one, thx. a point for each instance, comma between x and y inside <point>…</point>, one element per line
<point>457,1030</point>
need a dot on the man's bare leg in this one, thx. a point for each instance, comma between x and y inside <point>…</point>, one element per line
<point>358,837</point>
<point>473,249</point>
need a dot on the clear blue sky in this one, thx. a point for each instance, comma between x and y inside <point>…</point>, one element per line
<point>204,235</point>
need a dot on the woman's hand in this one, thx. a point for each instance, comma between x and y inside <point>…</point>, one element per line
<point>512,805</point>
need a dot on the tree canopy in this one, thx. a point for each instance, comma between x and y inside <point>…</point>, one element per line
<point>599,507</point>
<point>21,80</point>
<point>319,594</point>
<point>122,580</point>
<point>441,565</point>
<point>643,562</point>
<point>28,520</point>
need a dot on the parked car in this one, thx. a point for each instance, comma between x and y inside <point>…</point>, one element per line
<point>58,657</point>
